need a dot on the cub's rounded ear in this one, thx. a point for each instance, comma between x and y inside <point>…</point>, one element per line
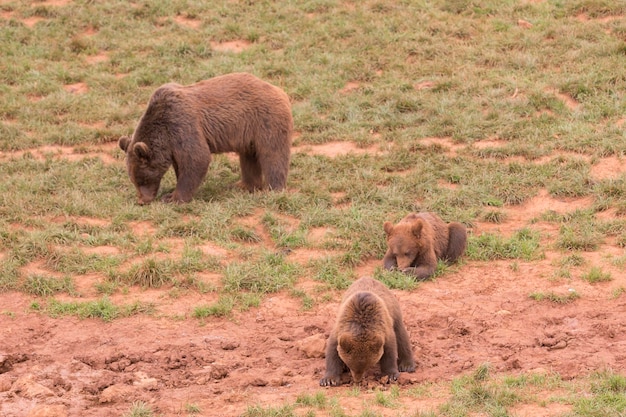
<point>124,142</point>
<point>388,226</point>
<point>417,227</point>
<point>142,150</point>
<point>346,343</point>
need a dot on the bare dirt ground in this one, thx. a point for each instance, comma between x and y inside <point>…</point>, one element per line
<point>478,313</point>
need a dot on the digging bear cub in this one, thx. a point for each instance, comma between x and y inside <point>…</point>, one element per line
<point>368,330</point>
<point>419,240</point>
<point>184,125</point>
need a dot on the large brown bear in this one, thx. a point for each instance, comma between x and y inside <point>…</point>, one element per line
<point>184,125</point>
<point>419,240</point>
<point>368,330</point>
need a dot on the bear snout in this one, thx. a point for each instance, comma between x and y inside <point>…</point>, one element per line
<point>145,195</point>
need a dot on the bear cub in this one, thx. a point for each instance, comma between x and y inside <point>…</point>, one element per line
<point>368,330</point>
<point>419,240</point>
<point>184,125</point>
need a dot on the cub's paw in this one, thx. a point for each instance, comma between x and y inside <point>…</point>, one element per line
<point>330,381</point>
<point>406,367</point>
<point>172,198</point>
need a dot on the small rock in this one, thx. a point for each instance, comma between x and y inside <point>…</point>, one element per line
<point>229,344</point>
<point>142,380</point>
<point>26,387</point>
<point>115,393</point>
<point>258,382</point>
<point>313,346</point>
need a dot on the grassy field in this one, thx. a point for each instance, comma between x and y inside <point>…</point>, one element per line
<point>455,106</point>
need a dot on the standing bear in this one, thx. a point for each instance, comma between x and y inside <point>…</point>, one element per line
<point>368,330</point>
<point>419,240</point>
<point>184,125</point>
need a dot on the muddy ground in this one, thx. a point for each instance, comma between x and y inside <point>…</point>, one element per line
<point>479,312</point>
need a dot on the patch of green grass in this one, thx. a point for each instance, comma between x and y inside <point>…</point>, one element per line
<point>317,400</point>
<point>553,297</point>
<point>258,411</point>
<point>387,399</point>
<point>595,274</point>
<point>44,286</point>
<point>192,408</point>
<point>327,270</point>
<point>478,394</point>
<point>223,307</point>
<point>139,409</point>
<point>575,259</point>
<point>583,237</point>
<point>524,244</point>
<point>395,279</point>
<point>268,274</point>
<point>608,397</point>
<point>103,309</point>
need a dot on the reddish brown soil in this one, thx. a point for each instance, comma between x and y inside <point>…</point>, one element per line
<point>479,312</point>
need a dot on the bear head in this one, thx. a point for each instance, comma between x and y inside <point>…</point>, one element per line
<point>360,354</point>
<point>144,172</point>
<point>405,241</point>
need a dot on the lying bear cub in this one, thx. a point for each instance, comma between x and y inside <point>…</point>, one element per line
<point>184,125</point>
<point>419,240</point>
<point>368,330</point>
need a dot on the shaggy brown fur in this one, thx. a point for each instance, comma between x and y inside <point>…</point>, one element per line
<point>368,330</point>
<point>419,240</point>
<point>184,125</point>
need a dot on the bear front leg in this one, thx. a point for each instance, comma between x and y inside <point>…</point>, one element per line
<point>389,261</point>
<point>334,364</point>
<point>420,272</point>
<point>389,360</point>
<point>190,171</point>
<point>406,362</point>
<point>424,266</point>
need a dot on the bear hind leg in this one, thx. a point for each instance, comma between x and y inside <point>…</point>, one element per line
<point>251,173</point>
<point>275,167</point>
<point>457,241</point>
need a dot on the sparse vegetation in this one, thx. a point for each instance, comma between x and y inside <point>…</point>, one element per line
<point>451,106</point>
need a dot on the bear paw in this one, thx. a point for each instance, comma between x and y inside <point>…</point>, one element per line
<point>406,367</point>
<point>330,381</point>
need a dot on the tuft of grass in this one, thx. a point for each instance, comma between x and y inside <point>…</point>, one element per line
<point>479,394</point>
<point>328,271</point>
<point>139,409</point>
<point>595,274</point>
<point>524,244</point>
<point>44,286</point>
<point>268,274</point>
<point>258,411</point>
<point>553,297</point>
<point>317,400</point>
<point>583,237</point>
<point>192,408</point>
<point>103,309</point>
<point>222,308</point>
<point>397,280</point>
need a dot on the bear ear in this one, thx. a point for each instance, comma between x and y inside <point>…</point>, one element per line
<point>376,344</point>
<point>346,344</point>
<point>141,150</point>
<point>388,226</point>
<point>124,142</point>
<point>416,228</point>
